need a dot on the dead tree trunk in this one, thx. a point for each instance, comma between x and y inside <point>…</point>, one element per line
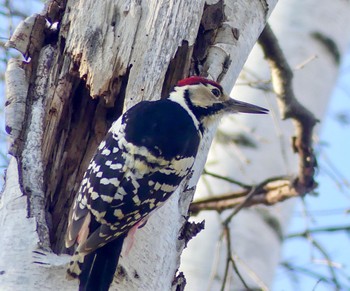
<point>87,61</point>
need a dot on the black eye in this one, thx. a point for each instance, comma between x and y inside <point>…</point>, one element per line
<point>216,92</point>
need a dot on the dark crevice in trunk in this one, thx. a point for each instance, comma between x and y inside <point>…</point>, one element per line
<point>178,68</point>
<point>84,123</point>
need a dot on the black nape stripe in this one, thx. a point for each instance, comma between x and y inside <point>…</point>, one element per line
<point>202,112</point>
<point>191,107</point>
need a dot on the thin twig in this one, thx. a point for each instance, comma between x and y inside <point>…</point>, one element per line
<point>252,275</point>
<point>307,272</point>
<point>318,230</point>
<point>254,190</point>
<point>305,62</point>
<point>238,208</point>
<point>227,179</point>
<point>329,263</point>
<point>230,260</point>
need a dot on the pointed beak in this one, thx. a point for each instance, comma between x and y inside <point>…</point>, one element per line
<point>233,106</point>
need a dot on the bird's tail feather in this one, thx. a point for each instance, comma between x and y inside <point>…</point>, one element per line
<point>97,269</point>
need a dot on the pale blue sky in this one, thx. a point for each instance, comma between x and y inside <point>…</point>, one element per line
<point>333,199</point>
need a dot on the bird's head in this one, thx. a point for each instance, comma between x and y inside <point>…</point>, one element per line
<point>207,100</point>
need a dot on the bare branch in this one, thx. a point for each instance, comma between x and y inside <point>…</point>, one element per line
<point>304,120</point>
<point>268,192</point>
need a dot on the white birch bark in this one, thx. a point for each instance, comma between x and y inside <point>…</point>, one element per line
<point>104,41</point>
<point>257,244</point>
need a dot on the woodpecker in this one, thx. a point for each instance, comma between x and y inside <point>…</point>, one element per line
<point>143,159</point>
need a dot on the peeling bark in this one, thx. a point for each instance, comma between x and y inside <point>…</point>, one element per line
<point>89,62</point>
<point>15,106</point>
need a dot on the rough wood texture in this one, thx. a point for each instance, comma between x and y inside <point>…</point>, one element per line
<point>19,242</point>
<point>123,57</point>
<point>106,56</point>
